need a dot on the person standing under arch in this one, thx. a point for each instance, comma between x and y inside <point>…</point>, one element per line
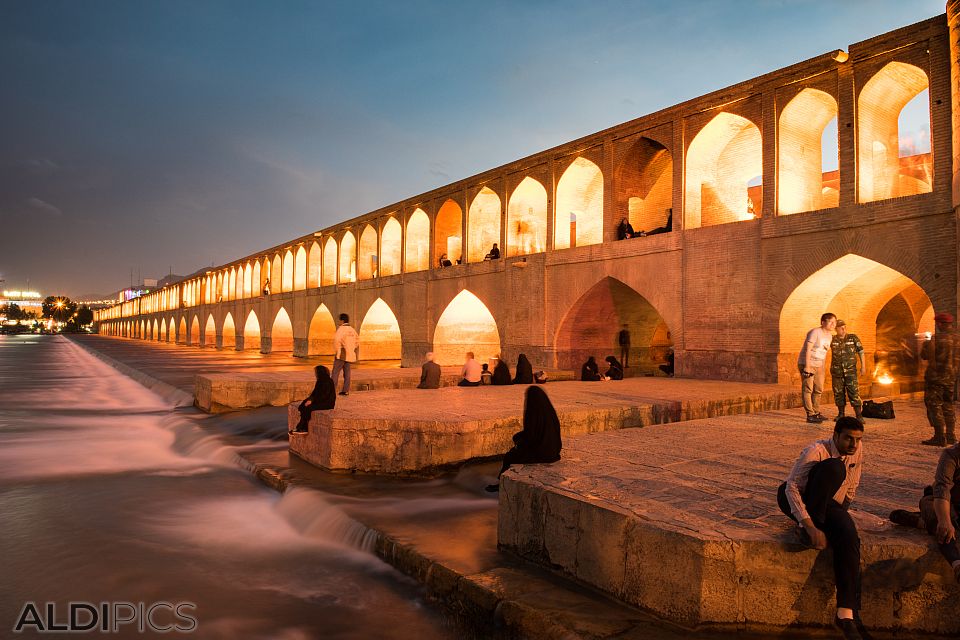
<point>811,361</point>
<point>943,357</point>
<point>345,345</point>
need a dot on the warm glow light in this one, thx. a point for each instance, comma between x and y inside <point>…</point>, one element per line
<point>885,379</point>
<point>465,325</point>
<point>579,201</point>
<point>484,224</point>
<point>380,333</point>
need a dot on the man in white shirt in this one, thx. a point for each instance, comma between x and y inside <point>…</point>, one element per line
<point>345,345</point>
<point>816,495</point>
<point>471,372</point>
<point>813,356</point>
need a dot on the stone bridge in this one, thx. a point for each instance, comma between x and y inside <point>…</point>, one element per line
<point>766,204</point>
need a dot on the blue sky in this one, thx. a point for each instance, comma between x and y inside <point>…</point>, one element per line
<point>150,135</point>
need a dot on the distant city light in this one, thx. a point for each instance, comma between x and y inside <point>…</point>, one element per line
<point>21,294</point>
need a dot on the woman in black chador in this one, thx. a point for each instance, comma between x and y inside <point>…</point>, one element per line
<point>524,371</point>
<point>501,373</point>
<point>323,396</point>
<point>615,372</point>
<point>590,372</point>
<point>539,442</point>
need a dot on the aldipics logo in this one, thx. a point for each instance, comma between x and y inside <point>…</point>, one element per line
<point>108,617</point>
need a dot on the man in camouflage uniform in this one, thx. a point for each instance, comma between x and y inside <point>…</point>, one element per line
<point>942,354</point>
<point>845,366</point>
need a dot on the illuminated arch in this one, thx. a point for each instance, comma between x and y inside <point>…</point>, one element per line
<point>592,325</point>
<point>330,262</point>
<point>247,280</point>
<point>315,265</point>
<point>800,180</point>
<point>155,332</point>
<point>276,274</point>
<point>228,333</point>
<point>233,283</point>
<point>348,258</point>
<point>265,275</point>
<point>449,232</point>
<point>210,333</point>
<point>380,333</point>
<point>889,165</point>
<point>172,331</point>
<point>880,305</point>
<point>256,283</point>
<point>465,325</point>
<point>368,266</point>
<point>321,332</point>
<point>182,335</point>
<point>281,335</point>
<point>483,220</point>
<point>288,270</point>
<point>723,162</point>
<point>195,332</point>
<point>527,219</point>
<point>300,269</point>
<point>251,332</point>
<point>417,245</point>
<point>578,220</point>
<point>645,186</point>
<point>391,247</point>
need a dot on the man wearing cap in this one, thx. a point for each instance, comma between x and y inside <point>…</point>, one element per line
<point>845,366</point>
<point>943,357</point>
<point>812,357</point>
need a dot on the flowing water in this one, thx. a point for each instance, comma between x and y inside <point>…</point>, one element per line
<point>109,494</point>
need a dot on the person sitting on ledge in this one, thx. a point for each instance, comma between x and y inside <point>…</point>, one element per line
<point>615,372</point>
<point>486,378</point>
<point>524,371</point>
<point>625,230</point>
<point>666,228</point>
<point>494,253</point>
<point>590,372</point>
<point>668,367</point>
<point>323,396</point>
<point>817,495</point>
<point>445,261</point>
<point>470,373</point>
<point>940,508</point>
<point>540,440</point>
<point>266,287</point>
<point>501,373</point>
<point>429,374</point>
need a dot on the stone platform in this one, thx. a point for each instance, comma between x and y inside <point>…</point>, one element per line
<point>421,431</point>
<point>682,520</point>
<point>222,392</point>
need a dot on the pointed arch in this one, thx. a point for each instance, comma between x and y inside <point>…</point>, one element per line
<point>195,332</point>
<point>417,245</point>
<point>466,324</point>
<point>233,284</point>
<point>315,265</point>
<point>228,333</point>
<point>171,331</point>
<point>449,231</point>
<point>182,337</point>
<point>276,274</point>
<point>288,271</point>
<point>247,280</point>
<point>330,261</point>
<point>578,220</point>
<point>645,186</point>
<point>527,219</point>
<point>155,332</point>
<point>380,333</point>
<point>723,163</point>
<point>483,218</point>
<point>210,332</point>
<point>800,179</point>
<point>256,283</point>
<point>281,335</point>
<point>391,247</point>
<point>251,332</point>
<point>593,323</point>
<point>369,262</point>
<point>348,258</point>
<point>889,164</point>
<point>321,332</point>
<point>300,269</point>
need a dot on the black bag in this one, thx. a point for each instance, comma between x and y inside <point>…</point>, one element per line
<point>879,410</point>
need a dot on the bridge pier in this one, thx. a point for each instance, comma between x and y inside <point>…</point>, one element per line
<point>266,344</point>
<point>301,347</point>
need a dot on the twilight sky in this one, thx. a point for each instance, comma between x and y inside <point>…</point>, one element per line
<point>184,133</point>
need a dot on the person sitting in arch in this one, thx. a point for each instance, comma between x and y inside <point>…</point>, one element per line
<point>444,261</point>
<point>323,397</point>
<point>493,254</point>
<point>501,373</point>
<point>266,287</point>
<point>590,372</point>
<point>471,372</point>
<point>615,371</point>
<point>666,228</point>
<point>668,367</point>
<point>524,373</point>
<point>540,441</point>
<point>429,374</point>
<point>625,230</point>
<point>486,378</point>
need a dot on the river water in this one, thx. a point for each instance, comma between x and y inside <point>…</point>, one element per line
<point>109,494</point>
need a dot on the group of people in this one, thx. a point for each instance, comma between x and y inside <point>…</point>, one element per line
<point>493,254</point>
<point>474,374</point>
<point>625,230</point>
<point>590,371</point>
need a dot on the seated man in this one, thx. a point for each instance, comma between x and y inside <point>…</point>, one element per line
<point>471,372</point>
<point>940,508</point>
<point>429,374</point>
<point>816,495</point>
<point>494,253</point>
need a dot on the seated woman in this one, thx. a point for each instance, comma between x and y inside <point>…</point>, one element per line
<point>540,441</point>
<point>323,396</point>
<point>445,261</point>
<point>501,373</point>
<point>590,372</point>
<point>615,372</point>
<point>524,371</point>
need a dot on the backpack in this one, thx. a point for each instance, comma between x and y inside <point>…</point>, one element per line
<point>879,410</point>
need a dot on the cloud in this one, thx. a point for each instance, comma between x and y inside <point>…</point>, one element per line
<point>46,207</point>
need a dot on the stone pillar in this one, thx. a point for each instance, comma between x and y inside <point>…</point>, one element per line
<point>266,344</point>
<point>239,344</point>
<point>953,22</point>
<point>219,341</point>
<point>301,347</point>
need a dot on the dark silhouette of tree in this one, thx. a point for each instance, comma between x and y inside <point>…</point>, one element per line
<point>60,308</point>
